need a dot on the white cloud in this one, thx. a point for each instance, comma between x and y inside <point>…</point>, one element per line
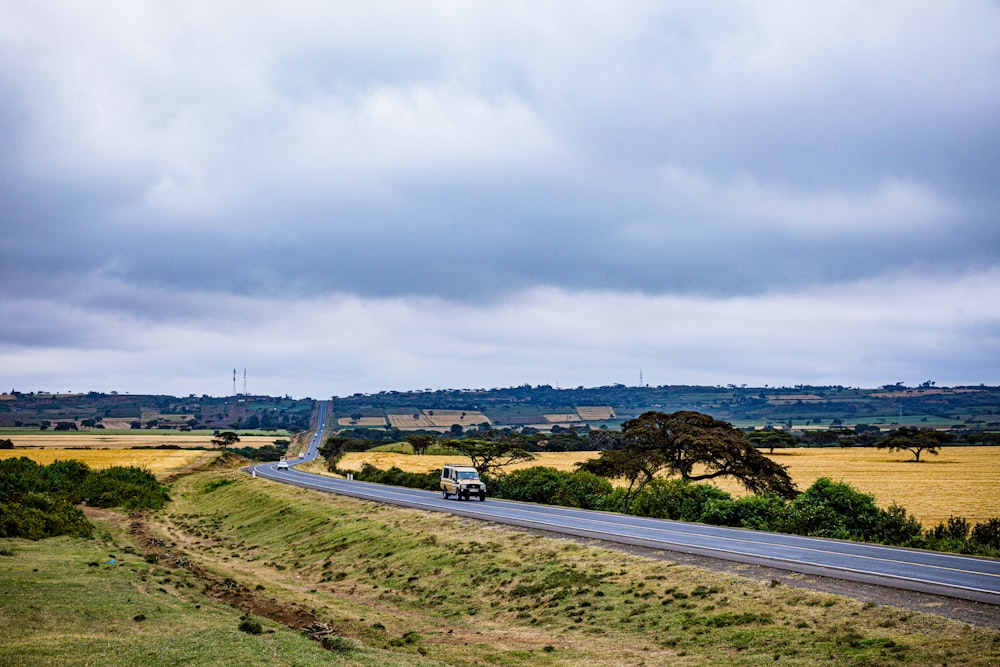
<point>870,332</point>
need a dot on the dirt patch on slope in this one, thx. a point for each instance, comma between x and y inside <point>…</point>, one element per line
<point>225,589</point>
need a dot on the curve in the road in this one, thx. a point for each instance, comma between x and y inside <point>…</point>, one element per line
<point>952,575</point>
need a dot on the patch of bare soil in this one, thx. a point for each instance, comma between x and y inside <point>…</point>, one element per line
<point>226,589</point>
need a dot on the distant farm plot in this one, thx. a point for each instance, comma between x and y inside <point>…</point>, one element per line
<point>595,412</point>
<point>961,481</point>
<point>160,462</point>
<point>363,421</point>
<point>411,421</point>
<point>460,417</point>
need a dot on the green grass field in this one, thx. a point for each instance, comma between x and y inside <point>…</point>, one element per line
<point>405,587</point>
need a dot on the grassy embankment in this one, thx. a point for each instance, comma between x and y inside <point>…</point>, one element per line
<point>408,587</point>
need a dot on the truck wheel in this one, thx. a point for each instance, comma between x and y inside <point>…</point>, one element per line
<point>482,497</point>
<point>445,494</point>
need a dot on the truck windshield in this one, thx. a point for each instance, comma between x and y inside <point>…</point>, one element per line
<point>466,475</point>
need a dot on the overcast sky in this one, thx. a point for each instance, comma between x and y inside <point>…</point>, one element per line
<point>350,197</point>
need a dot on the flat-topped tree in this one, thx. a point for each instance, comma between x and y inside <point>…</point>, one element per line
<point>692,445</point>
<point>489,456</point>
<point>420,442</point>
<point>225,440</point>
<point>915,441</point>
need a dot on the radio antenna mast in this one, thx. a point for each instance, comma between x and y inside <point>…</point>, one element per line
<point>234,382</point>
<point>244,382</point>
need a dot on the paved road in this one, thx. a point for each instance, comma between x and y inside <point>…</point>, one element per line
<point>944,574</point>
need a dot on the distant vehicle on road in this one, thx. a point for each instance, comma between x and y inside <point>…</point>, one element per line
<point>282,465</point>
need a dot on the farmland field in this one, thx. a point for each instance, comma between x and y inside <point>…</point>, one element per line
<point>160,462</point>
<point>101,450</point>
<point>961,481</point>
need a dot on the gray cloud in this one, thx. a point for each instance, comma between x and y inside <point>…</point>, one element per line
<point>166,159</point>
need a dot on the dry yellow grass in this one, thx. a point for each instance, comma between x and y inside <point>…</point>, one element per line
<point>561,417</point>
<point>97,440</point>
<point>961,481</point>
<point>160,462</point>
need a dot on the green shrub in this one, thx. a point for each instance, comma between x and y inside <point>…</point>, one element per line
<point>250,626</point>
<point>124,486</point>
<point>987,534</point>
<point>896,526</point>
<point>396,477</point>
<point>39,515</point>
<point>757,512</point>
<point>676,499</point>
<point>541,484</point>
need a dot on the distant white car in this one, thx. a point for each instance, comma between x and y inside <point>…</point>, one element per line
<point>282,465</point>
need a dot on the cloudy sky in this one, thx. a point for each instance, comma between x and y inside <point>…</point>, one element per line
<point>344,197</point>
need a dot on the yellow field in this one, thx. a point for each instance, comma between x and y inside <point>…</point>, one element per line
<point>160,462</point>
<point>961,481</point>
<point>95,440</point>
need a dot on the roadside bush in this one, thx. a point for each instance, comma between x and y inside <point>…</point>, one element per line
<point>676,499</point>
<point>757,512</point>
<point>614,501</point>
<point>987,534</point>
<point>266,453</point>
<point>896,526</point>
<point>39,515</point>
<point>394,476</point>
<point>541,484</point>
<point>950,535</point>
<point>834,509</point>
<point>124,486</point>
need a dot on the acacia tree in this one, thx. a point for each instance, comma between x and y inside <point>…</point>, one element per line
<point>488,456</point>
<point>225,440</point>
<point>692,445</point>
<point>915,441</point>
<point>420,442</point>
<point>769,439</point>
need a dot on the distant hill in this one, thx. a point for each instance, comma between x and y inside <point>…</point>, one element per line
<point>540,407</point>
<point>131,411</point>
<point>545,407</point>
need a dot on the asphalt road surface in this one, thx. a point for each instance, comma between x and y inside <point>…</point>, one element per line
<point>953,575</point>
